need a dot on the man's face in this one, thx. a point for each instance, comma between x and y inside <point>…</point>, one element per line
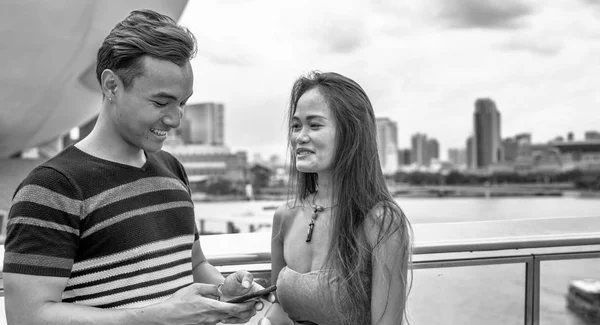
<point>153,104</point>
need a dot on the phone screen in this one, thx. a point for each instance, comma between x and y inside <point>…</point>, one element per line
<point>256,294</point>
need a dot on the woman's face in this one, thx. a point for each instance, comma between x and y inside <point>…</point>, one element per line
<point>313,134</point>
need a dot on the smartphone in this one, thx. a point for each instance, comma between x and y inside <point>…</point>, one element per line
<point>257,294</point>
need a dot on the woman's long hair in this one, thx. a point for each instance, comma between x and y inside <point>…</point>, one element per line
<point>358,186</point>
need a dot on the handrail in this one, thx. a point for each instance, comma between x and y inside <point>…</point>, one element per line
<point>458,237</point>
<point>525,241</point>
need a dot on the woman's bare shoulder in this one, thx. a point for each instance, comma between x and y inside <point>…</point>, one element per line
<point>285,212</point>
<point>385,220</point>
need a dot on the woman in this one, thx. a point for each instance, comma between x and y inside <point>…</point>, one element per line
<point>341,246</point>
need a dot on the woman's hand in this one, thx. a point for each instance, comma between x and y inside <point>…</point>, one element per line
<point>264,321</point>
<point>240,283</point>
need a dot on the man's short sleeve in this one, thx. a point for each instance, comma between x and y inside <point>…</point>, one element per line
<point>43,225</point>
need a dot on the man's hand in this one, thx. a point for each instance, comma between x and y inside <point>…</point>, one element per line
<point>193,304</point>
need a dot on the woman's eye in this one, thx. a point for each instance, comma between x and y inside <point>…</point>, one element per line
<point>315,126</point>
<point>295,127</point>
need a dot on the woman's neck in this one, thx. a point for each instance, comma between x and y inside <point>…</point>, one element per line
<point>324,194</point>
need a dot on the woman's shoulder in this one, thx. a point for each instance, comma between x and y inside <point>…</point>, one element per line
<point>286,211</point>
<point>386,219</point>
<point>385,210</point>
<point>284,216</point>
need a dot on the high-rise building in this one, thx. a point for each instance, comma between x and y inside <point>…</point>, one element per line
<point>419,148</point>
<point>387,144</point>
<point>515,147</point>
<point>458,157</point>
<point>203,123</point>
<point>404,157</point>
<point>423,149</point>
<point>470,152</point>
<point>487,143</point>
<point>433,149</point>
<point>510,147</point>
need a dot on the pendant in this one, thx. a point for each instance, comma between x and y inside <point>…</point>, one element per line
<point>311,226</point>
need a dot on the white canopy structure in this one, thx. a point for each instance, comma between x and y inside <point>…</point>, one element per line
<point>47,64</point>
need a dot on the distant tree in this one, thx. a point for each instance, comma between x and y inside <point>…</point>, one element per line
<point>400,177</point>
<point>261,175</point>
<point>455,178</point>
<point>220,186</point>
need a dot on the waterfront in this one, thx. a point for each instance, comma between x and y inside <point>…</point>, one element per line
<point>420,210</point>
<point>473,295</point>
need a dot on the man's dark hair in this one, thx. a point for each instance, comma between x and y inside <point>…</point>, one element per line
<point>144,33</point>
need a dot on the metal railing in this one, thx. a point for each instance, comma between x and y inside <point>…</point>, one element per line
<point>527,242</point>
<point>459,244</point>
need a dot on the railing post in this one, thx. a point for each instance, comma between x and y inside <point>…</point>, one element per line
<point>529,290</point>
<point>532,291</point>
<point>536,290</point>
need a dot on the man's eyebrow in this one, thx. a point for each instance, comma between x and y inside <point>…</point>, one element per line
<point>163,94</point>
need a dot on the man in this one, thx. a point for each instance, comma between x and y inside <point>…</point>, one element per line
<point>104,233</point>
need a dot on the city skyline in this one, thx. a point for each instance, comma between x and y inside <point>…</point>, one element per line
<point>423,64</point>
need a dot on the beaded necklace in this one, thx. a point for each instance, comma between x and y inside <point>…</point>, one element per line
<point>313,218</point>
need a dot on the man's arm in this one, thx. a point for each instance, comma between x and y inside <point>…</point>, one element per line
<point>203,271</point>
<point>236,284</point>
<point>37,300</point>
<point>32,300</point>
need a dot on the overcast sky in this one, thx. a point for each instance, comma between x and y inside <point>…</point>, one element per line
<point>423,63</point>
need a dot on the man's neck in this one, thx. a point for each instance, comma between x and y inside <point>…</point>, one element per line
<point>103,145</point>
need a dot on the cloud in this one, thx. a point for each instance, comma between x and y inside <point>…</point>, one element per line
<point>333,27</point>
<point>225,53</point>
<point>537,45</point>
<point>343,36</point>
<point>494,14</point>
<point>592,2</point>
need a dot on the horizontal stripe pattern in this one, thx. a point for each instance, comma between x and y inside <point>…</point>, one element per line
<point>133,213</point>
<point>145,302</point>
<point>37,260</point>
<point>131,253</point>
<point>42,223</point>
<point>134,293</point>
<point>141,265</point>
<point>123,236</point>
<point>142,186</point>
<point>134,280</point>
<point>41,195</point>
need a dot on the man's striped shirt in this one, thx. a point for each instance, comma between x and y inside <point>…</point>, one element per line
<point>122,235</point>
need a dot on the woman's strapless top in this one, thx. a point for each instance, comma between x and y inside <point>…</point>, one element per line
<point>306,297</point>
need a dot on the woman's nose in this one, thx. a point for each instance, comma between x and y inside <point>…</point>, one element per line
<point>302,138</point>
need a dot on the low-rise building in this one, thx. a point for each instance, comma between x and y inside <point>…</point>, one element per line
<point>203,162</point>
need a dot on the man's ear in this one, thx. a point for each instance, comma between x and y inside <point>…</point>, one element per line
<point>109,82</point>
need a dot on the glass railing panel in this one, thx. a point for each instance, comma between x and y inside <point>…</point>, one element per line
<point>488,294</point>
<point>566,295</point>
